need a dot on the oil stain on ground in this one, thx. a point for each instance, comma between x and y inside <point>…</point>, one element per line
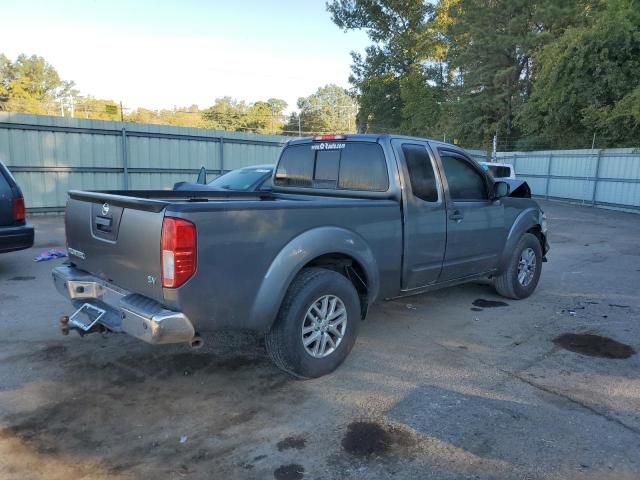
<point>293,442</point>
<point>594,345</point>
<point>482,303</point>
<point>22,278</point>
<point>366,439</point>
<point>292,471</point>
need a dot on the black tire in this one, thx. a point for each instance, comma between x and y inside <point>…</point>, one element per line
<point>284,341</point>
<point>507,284</point>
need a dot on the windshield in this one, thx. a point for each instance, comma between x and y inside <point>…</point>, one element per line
<point>241,179</point>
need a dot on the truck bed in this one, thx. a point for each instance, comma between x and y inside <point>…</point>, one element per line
<point>238,233</point>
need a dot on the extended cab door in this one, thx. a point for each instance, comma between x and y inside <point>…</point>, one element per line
<point>424,214</point>
<point>475,223</point>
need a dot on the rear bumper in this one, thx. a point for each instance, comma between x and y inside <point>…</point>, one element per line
<point>16,238</point>
<point>126,312</point>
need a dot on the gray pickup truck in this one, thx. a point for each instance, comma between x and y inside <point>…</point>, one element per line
<point>351,220</point>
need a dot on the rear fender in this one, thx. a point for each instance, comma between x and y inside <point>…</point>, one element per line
<point>526,220</point>
<point>299,252</point>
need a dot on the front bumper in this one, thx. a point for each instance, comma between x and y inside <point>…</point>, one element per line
<point>126,312</point>
<point>16,238</point>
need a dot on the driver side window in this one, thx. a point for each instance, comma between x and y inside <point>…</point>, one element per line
<point>465,182</point>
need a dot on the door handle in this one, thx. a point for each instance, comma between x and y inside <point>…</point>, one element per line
<point>457,216</point>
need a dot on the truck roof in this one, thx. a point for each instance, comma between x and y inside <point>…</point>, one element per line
<point>369,137</point>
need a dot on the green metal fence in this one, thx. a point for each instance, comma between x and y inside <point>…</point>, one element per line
<point>51,155</point>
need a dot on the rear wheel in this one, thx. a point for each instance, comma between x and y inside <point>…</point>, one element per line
<point>522,273</point>
<point>317,324</point>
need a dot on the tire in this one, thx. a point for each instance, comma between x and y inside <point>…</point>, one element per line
<point>284,341</point>
<point>508,283</point>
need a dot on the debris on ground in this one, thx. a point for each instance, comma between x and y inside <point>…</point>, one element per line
<point>49,255</point>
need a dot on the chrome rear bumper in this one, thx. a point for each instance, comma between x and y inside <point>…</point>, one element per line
<point>126,312</point>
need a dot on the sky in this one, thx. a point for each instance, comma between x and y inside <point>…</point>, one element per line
<point>161,54</point>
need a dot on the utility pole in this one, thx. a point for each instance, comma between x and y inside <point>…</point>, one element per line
<point>121,112</point>
<point>494,156</point>
<point>299,124</point>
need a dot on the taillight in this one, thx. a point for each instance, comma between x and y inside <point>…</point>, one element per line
<point>18,209</point>
<point>177,251</point>
<point>322,138</point>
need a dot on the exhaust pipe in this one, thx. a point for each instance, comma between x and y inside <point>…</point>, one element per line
<point>196,342</point>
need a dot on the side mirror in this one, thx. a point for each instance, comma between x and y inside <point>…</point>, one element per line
<point>202,176</point>
<point>500,189</point>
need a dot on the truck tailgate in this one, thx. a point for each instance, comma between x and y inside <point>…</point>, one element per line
<point>117,240</point>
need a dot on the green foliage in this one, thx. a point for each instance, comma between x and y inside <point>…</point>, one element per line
<point>29,84</point>
<point>422,105</point>
<point>529,70</point>
<point>329,110</point>
<point>261,117</point>
<point>589,82</point>
<point>398,28</point>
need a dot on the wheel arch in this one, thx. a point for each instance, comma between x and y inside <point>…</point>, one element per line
<point>526,222</point>
<point>334,248</point>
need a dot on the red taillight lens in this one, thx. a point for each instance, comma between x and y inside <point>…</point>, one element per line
<point>18,209</point>
<point>177,251</point>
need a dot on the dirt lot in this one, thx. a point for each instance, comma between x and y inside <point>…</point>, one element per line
<point>455,384</point>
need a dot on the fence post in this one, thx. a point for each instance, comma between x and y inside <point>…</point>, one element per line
<point>125,160</point>
<point>595,179</point>
<point>221,156</point>
<point>546,191</point>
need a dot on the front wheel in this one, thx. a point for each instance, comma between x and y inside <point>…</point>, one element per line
<point>317,324</point>
<point>522,273</point>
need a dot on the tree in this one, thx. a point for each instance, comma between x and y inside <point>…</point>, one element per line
<point>226,114</point>
<point>329,110</point>
<point>398,30</point>
<point>29,84</point>
<point>491,49</point>
<point>230,114</point>
<point>266,117</point>
<point>588,82</point>
<point>464,68</point>
<point>96,108</point>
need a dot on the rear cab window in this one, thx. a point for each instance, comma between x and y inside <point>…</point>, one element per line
<point>339,165</point>
<point>421,173</point>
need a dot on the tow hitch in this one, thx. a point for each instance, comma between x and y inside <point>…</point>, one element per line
<point>84,321</point>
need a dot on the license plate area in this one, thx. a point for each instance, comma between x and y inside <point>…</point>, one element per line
<point>86,317</point>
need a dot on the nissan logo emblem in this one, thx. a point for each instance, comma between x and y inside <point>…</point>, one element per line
<point>105,209</point>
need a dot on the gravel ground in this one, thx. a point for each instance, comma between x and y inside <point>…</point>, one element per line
<point>447,385</point>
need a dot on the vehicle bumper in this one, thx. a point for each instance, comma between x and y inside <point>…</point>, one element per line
<point>16,238</point>
<point>126,312</point>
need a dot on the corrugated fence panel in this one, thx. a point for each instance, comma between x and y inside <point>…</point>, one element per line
<point>51,155</point>
<point>604,177</point>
